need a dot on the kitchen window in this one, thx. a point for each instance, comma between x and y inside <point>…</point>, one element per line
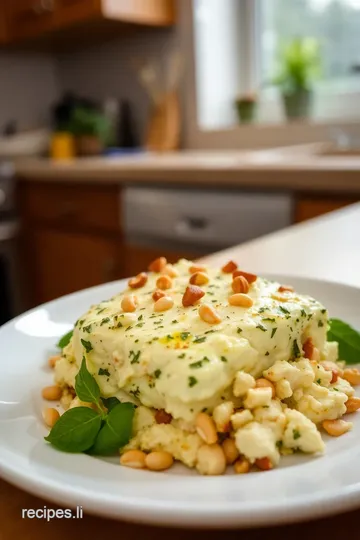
<point>236,49</point>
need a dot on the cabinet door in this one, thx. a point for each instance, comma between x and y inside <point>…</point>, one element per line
<point>70,12</point>
<point>3,23</point>
<point>311,206</point>
<point>29,18</point>
<point>60,263</point>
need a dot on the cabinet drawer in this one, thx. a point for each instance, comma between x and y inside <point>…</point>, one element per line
<point>84,207</point>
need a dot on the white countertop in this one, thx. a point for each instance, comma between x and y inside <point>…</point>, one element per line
<point>326,248</point>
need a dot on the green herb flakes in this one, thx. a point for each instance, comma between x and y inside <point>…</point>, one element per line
<point>104,372</point>
<point>223,359</point>
<point>296,434</point>
<point>105,321</point>
<point>192,381</point>
<point>87,345</point>
<point>199,363</point>
<point>184,335</point>
<point>157,373</point>
<point>261,327</point>
<point>135,357</point>
<point>273,332</point>
<point>200,339</point>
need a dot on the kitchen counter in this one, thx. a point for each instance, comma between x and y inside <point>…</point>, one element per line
<point>303,250</point>
<point>292,168</point>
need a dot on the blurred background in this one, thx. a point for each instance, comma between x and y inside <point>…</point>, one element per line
<point>131,129</point>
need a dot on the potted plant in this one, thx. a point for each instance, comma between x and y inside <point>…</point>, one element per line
<point>298,67</point>
<point>90,129</point>
<point>246,106</point>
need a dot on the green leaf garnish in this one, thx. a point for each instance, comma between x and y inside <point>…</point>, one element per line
<point>348,339</point>
<point>86,388</point>
<point>65,340</point>
<point>76,430</point>
<point>116,431</point>
<point>110,402</point>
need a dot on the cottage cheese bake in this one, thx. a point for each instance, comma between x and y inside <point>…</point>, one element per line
<point>224,366</point>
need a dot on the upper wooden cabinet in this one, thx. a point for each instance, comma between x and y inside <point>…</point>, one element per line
<point>23,19</point>
<point>27,18</point>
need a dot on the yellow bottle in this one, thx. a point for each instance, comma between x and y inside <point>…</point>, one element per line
<point>62,146</point>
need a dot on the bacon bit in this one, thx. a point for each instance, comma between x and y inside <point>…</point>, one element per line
<point>192,295</point>
<point>308,348</point>
<point>251,278</point>
<point>138,281</point>
<point>229,267</point>
<point>264,464</point>
<point>162,417</point>
<point>157,265</point>
<point>286,288</point>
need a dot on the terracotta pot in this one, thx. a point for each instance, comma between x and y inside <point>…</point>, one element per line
<point>88,145</point>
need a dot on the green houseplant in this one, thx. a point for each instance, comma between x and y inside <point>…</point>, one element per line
<point>246,106</point>
<point>299,65</point>
<point>90,129</point>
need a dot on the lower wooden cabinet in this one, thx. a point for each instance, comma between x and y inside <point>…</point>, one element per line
<point>59,263</point>
<point>308,207</point>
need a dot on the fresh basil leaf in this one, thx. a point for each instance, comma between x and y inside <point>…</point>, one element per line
<point>348,339</point>
<point>86,388</point>
<point>65,340</point>
<point>76,430</point>
<point>110,402</point>
<point>116,431</point>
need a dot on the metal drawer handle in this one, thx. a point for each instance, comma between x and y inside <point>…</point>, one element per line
<point>191,225</point>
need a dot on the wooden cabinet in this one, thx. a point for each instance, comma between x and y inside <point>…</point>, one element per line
<point>28,18</point>
<point>64,262</point>
<point>46,18</point>
<point>311,206</point>
<point>69,12</point>
<point>71,238</point>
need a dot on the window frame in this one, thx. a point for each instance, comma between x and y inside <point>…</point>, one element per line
<point>258,135</point>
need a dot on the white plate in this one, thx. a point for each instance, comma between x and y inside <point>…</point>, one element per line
<point>302,487</point>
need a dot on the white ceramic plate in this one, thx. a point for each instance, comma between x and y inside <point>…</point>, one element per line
<point>301,488</point>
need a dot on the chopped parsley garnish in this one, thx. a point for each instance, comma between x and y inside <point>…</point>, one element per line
<point>323,311</point>
<point>320,324</point>
<point>81,322</point>
<point>239,330</point>
<point>104,372</point>
<point>223,359</point>
<point>136,392</point>
<point>279,444</point>
<point>295,349</point>
<point>101,310</point>
<point>135,357</point>
<point>174,321</point>
<point>267,353</point>
<point>169,337</point>
<point>318,381</point>
<point>104,321</point>
<point>263,309</point>
<point>267,319</point>
<point>200,339</point>
<point>199,363</point>
<point>303,313</point>
<point>284,310</point>
<point>87,328</point>
<point>261,327</point>
<point>87,345</point>
<point>140,318</point>
<point>192,381</point>
<point>273,332</point>
<point>140,324</point>
<point>128,328</point>
<point>157,373</point>
<point>209,331</point>
<point>336,389</point>
<point>296,434</point>
<point>182,355</point>
<point>184,335</point>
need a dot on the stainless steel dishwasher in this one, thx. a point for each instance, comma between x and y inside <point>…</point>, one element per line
<point>200,221</point>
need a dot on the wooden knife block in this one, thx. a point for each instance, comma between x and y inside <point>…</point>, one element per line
<point>164,126</point>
